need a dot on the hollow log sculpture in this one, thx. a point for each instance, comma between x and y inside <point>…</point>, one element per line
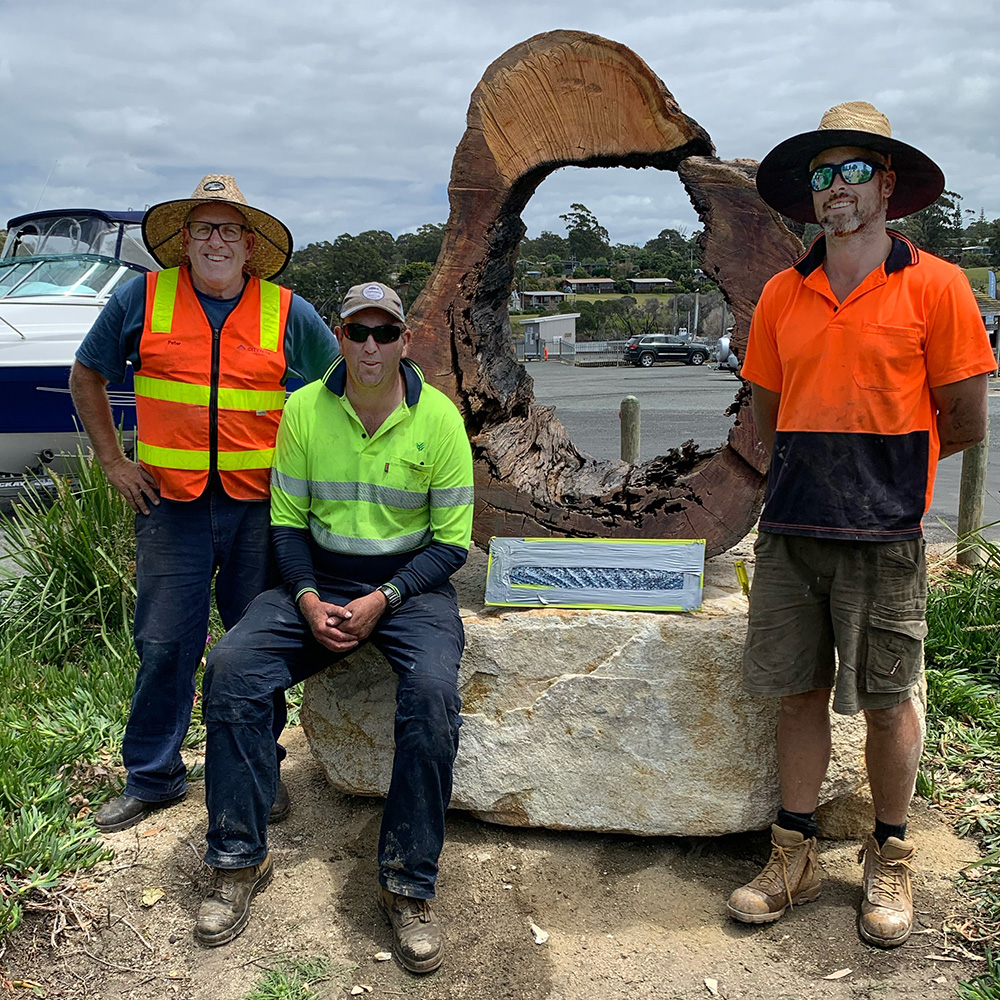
<point>570,98</point>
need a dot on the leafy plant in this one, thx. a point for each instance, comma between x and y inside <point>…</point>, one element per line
<point>293,979</point>
<point>74,559</point>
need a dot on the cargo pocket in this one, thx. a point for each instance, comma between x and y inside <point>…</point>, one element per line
<point>895,652</point>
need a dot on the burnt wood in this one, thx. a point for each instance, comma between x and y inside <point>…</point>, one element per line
<point>569,98</point>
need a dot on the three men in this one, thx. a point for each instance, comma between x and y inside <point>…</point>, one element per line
<point>372,513</point>
<point>212,343</point>
<point>868,360</point>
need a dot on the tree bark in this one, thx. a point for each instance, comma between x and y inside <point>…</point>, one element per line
<point>570,98</point>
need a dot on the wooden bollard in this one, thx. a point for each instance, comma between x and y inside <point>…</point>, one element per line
<point>631,420</point>
<point>971,493</point>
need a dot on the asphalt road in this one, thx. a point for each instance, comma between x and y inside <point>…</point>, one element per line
<point>680,403</point>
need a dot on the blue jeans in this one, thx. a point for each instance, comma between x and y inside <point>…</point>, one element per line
<point>271,649</point>
<point>180,547</point>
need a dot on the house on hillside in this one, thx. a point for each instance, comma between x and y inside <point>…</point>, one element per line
<point>588,286</point>
<point>543,299</point>
<point>651,284</point>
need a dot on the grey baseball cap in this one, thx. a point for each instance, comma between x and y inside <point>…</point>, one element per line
<point>372,295</point>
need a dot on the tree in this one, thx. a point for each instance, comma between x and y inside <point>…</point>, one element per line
<point>543,247</point>
<point>322,272</point>
<point>936,228</point>
<point>414,276</point>
<point>585,235</point>
<point>424,244</point>
<point>3,238</point>
<point>669,240</point>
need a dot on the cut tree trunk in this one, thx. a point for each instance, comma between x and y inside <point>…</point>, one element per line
<point>569,98</point>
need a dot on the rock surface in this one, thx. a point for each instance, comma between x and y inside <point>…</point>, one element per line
<point>588,720</point>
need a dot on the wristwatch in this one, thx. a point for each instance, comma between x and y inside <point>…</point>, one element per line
<point>393,598</point>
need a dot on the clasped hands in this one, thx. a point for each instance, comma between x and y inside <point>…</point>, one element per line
<point>340,629</point>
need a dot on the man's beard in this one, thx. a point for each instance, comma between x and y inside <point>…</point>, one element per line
<point>844,224</point>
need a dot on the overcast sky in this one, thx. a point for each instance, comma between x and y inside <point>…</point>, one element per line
<point>341,117</point>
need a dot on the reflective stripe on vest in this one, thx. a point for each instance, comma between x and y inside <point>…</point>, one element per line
<point>195,461</point>
<point>199,395</point>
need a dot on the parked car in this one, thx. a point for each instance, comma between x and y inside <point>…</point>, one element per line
<point>646,351</point>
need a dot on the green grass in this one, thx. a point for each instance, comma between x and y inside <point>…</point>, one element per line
<point>294,979</point>
<point>960,769</point>
<point>977,277</point>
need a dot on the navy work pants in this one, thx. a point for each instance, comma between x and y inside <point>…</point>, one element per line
<point>180,548</point>
<point>271,649</point>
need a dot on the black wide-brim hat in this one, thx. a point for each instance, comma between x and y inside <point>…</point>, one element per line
<point>163,227</point>
<point>783,175</point>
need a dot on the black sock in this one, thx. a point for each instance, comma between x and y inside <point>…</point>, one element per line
<point>883,831</point>
<point>804,823</point>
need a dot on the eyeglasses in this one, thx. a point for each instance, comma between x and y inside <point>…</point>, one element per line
<point>386,334</point>
<point>231,232</point>
<point>853,172</point>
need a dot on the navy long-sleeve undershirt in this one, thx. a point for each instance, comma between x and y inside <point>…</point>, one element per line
<point>303,564</point>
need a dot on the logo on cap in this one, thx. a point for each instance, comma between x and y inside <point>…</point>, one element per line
<point>373,292</point>
<point>214,186</point>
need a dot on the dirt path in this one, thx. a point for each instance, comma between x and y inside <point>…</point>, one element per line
<point>627,917</point>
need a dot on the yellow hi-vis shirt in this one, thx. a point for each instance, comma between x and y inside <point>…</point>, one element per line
<point>394,492</point>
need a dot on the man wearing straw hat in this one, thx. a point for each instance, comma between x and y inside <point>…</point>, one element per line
<point>868,361</point>
<point>212,342</point>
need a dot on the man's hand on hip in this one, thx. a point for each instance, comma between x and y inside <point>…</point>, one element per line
<point>134,483</point>
<point>365,613</point>
<point>327,621</point>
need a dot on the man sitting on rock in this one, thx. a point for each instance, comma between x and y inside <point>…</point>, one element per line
<point>371,515</point>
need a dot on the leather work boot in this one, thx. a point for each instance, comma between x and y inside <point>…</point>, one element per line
<point>416,933</point>
<point>127,810</point>
<point>887,905</point>
<point>790,876</point>
<point>281,806</point>
<point>225,910</point>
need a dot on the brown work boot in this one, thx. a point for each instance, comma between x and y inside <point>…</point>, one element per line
<point>887,904</point>
<point>790,876</point>
<point>225,910</point>
<point>416,933</point>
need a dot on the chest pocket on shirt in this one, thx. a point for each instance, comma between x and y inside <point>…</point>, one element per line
<point>405,483</point>
<point>887,356</point>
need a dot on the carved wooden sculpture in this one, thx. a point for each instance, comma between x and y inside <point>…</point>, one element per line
<point>569,98</point>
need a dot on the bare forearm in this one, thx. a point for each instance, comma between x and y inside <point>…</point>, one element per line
<point>91,400</point>
<point>764,406</point>
<point>962,414</point>
<point>94,410</point>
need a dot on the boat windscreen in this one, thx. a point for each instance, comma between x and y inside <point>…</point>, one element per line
<point>71,234</point>
<point>62,276</point>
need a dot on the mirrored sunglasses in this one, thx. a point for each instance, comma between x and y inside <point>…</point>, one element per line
<point>384,334</point>
<point>231,232</point>
<point>853,172</point>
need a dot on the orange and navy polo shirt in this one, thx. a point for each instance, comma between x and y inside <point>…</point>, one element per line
<point>857,446</point>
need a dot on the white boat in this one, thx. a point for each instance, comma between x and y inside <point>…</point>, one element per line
<point>57,271</point>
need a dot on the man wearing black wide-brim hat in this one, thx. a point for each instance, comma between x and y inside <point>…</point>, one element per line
<point>868,360</point>
<point>212,341</point>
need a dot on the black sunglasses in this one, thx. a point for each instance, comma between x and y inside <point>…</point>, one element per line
<point>385,334</point>
<point>853,172</point>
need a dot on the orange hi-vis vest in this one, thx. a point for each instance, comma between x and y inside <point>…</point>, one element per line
<point>210,399</point>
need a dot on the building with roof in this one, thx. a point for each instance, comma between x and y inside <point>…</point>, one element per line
<point>651,284</point>
<point>588,286</point>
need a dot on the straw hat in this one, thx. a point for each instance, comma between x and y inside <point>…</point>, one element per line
<point>163,225</point>
<point>783,175</point>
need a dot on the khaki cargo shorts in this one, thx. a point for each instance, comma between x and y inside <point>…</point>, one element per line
<point>811,596</point>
